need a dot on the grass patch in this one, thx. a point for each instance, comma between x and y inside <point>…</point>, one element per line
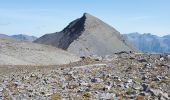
<point>56,96</point>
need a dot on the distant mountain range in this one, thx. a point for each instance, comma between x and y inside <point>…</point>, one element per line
<point>24,37</point>
<point>149,43</point>
<point>146,42</point>
<point>19,37</point>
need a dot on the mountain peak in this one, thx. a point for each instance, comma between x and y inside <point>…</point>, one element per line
<point>87,15</point>
<point>86,36</point>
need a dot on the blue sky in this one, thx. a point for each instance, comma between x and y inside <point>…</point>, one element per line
<point>38,17</point>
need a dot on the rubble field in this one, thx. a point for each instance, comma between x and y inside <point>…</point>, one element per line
<point>123,76</point>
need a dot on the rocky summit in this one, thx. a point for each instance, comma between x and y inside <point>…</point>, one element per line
<point>86,36</point>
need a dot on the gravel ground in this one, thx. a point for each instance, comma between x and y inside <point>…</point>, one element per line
<point>118,77</point>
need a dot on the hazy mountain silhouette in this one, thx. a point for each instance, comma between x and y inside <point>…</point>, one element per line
<point>19,37</point>
<point>148,42</point>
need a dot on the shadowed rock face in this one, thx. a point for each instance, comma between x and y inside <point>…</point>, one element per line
<point>87,35</point>
<point>64,38</point>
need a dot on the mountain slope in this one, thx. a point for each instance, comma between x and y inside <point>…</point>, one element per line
<point>148,42</point>
<point>87,35</point>
<point>13,52</point>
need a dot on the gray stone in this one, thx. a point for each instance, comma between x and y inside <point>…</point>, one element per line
<point>156,92</point>
<point>145,87</point>
<point>106,96</point>
<point>137,86</point>
<point>165,95</point>
<point>129,80</point>
<point>1,89</point>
